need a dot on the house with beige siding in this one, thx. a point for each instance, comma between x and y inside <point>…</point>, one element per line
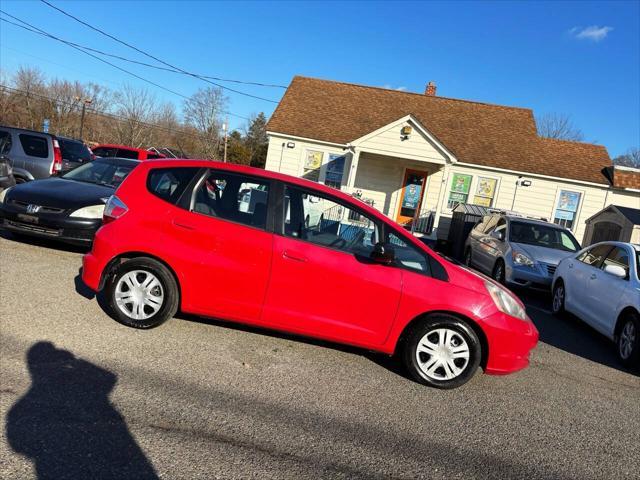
<point>416,156</point>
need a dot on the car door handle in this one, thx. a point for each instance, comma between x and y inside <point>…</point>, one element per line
<point>183,225</point>
<point>593,276</point>
<point>294,256</point>
<point>571,265</point>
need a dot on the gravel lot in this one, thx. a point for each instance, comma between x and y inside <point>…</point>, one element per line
<point>199,398</point>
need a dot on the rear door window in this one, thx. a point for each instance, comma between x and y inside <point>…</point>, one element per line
<point>34,146</point>
<point>170,183</point>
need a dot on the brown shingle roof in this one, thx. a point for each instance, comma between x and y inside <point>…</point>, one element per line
<point>626,179</point>
<point>478,133</point>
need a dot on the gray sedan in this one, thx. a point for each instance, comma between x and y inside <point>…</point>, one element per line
<point>518,250</point>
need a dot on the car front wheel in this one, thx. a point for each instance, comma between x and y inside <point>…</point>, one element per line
<point>629,341</point>
<point>142,293</point>
<point>498,272</point>
<point>442,351</point>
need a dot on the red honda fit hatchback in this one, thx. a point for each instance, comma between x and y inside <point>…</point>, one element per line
<point>266,249</point>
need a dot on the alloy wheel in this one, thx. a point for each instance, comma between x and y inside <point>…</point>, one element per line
<point>442,354</point>
<point>558,298</point>
<point>627,340</point>
<point>139,294</point>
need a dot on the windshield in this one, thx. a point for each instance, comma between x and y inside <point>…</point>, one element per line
<point>100,173</point>
<point>543,236</point>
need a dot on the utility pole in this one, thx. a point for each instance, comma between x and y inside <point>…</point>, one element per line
<point>85,102</point>
<point>225,128</point>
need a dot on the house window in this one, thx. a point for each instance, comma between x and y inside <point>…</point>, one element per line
<point>334,171</point>
<point>485,191</point>
<point>312,164</point>
<point>567,208</point>
<point>459,191</point>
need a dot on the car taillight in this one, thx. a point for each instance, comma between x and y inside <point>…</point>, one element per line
<point>56,166</point>
<point>114,209</point>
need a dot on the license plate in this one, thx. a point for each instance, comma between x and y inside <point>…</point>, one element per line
<point>27,218</point>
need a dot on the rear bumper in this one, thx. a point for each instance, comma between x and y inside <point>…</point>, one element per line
<point>510,345</point>
<point>79,231</point>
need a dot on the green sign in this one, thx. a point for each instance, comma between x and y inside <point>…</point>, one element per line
<point>461,183</point>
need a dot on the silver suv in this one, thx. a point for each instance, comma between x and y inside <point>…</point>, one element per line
<point>32,154</point>
<point>517,250</point>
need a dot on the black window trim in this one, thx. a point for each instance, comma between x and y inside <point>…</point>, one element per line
<point>187,199</point>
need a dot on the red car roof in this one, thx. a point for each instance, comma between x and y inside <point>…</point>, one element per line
<point>125,147</point>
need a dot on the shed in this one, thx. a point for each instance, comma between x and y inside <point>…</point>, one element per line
<point>613,223</point>
<point>464,218</point>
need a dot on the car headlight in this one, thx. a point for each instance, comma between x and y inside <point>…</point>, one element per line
<point>94,211</point>
<point>520,258</point>
<point>3,194</point>
<point>505,301</point>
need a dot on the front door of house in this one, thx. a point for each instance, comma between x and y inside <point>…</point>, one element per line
<point>411,195</point>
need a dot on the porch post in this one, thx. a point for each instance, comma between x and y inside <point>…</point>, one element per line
<point>353,168</point>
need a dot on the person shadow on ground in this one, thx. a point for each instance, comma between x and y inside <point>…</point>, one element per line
<point>67,425</point>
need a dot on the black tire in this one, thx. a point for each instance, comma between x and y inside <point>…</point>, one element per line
<point>428,329</point>
<point>498,272</point>
<point>629,355</point>
<point>169,289</point>
<point>467,257</point>
<point>557,305</point>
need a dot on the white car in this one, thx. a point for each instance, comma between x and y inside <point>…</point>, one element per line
<point>601,285</point>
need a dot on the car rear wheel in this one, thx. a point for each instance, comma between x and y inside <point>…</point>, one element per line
<point>442,351</point>
<point>629,341</point>
<point>142,293</point>
<point>498,272</point>
<point>557,304</point>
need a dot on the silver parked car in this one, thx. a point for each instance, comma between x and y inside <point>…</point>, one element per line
<point>518,250</point>
<point>32,155</point>
<point>601,285</point>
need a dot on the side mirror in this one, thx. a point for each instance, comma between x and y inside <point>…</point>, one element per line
<point>499,235</point>
<point>383,253</point>
<point>616,271</point>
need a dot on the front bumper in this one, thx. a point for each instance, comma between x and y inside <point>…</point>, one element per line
<point>509,345</point>
<point>61,227</point>
<point>538,276</point>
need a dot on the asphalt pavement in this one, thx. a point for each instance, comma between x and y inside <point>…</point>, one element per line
<point>82,396</point>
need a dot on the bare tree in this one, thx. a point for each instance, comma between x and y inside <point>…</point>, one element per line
<point>558,126</point>
<point>203,111</point>
<point>629,159</point>
<point>136,105</point>
<point>32,82</point>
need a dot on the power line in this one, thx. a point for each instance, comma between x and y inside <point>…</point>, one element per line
<point>35,29</point>
<point>112,116</point>
<point>185,72</point>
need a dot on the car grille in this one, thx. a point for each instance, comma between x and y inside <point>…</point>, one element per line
<point>42,209</point>
<point>551,269</point>
<point>32,228</point>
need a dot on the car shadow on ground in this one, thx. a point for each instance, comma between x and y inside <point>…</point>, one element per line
<point>568,333</point>
<point>43,242</point>
<point>66,424</point>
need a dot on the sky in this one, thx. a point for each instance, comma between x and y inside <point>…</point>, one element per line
<point>580,59</point>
